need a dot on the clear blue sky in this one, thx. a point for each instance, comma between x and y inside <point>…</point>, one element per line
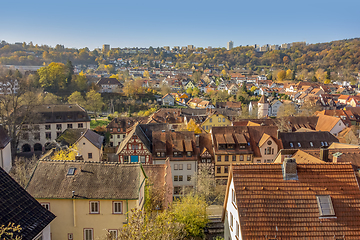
<point>140,23</point>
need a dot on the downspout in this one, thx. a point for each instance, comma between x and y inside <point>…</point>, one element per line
<point>74,208</point>
<point>127,211</point>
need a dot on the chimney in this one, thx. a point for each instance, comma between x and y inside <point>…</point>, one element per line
<point>324,154</point>
<point>289,169</point>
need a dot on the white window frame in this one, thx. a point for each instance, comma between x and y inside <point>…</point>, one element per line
<point>46,205</point>
<point>91,207</point>
<point>113,231</point>
<point>91,230</point>
<point>114,207</point>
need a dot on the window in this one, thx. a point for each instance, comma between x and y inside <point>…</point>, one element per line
<point>218,170</point>
<point>124,135</point>
<point>265,151</point>
<point>226,158</point>
<point>233,196</point>
<point>117,207</point>
<point>176,178</point>
<point>46,205</point>
<point>69,125</point>
<point>231,220</point>
<point>188,178</point>
<point>299,144</point>
<point>37,136</point>
<point>311,144</point>
<point>71,171</point>
<point>142,159</point>
<point>180,178</point>
<point>111,136</point>
<point>135,147</point>
<point>269,150</point>
<point>176,167</point>
<point>241,157</point>
<point>223,119</point>
<point>80,125</point>
<point>158,154</point>
<point>94,207</point>
<point>272,151</point>
<point>219,120</point>
<point>219,158</point>
<point>211,120</point>
<point>291,145</point>
<point>189,166</point>
<point>207,127</point>
<point>48,135</point>
<point>48,127</point>
<point>118,136</point>
<point>90,155</point>
<point>226,169</point>
<point>37,128</point>
<point>189,154</point>
<point>88,234</point>
<point>325,205</point>
<point>177,190</point>
<point>162,154</point>
<point>326,144</point>
<point>70,236</point>
<point>322,143</point>
<point>111,129</point>
<point>126,159</point>
<point>113,234</point>
<point>118,129</point>
<point>180,167</point>
<point>25,136</point>
<point>249,158</point>
<point>58,126</point>
<point>175,154</point>
<point>237,229</point>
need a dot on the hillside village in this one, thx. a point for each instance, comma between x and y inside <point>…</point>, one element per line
<point>276,158</point>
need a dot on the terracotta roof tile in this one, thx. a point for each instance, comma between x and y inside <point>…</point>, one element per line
<point>270,206</point>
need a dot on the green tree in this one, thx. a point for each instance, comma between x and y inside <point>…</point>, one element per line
<point>189,91</point>
<point>94,101</point>
<point>195,92</point>
<point>77,98</point>
<point>80,81</point>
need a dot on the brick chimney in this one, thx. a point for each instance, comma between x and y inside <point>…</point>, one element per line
<point>289,169</point>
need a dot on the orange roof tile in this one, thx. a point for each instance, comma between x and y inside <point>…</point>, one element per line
<point>270,206</point>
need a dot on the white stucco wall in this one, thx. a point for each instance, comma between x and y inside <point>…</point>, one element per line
<point>5,158</point>
<point>339,126</point>
<point>230,232</point>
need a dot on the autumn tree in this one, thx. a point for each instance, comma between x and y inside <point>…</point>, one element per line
<point>287,109</point>
<point>94,101</point>
<point>195,92</point>
<point>76,98</point>
<point>53,77</point>
<point>22,169</point>
<point>281,75</point>
<point>288,74</point>
<point>146,74</point>
<point>66,154</point>
<point>10,232</point>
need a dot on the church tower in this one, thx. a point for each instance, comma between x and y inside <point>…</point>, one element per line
<point>263,107</point>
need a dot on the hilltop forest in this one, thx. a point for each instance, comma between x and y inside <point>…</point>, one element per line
<point>342,55</point>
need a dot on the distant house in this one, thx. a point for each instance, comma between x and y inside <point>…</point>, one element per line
<point>233,89</point>
<point>261,200</point>
<point>5,150</point>
<point>88,142</point>
<point>20,208</point>
<point>168,100</point>
<point>109,85</point>
<point>305,140</point>
<point>215,119</point>
<point>193,102</point>
<point>189,84</point>
<point>90,199</point>
<point>9,86</point>
<point>331,124</point>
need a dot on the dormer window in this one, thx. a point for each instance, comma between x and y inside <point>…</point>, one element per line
<point>299,144</point>
<point>326,144</point>
<point>322,143</point>
<point>291,145</point>
<point>188,154</point>
<point>311,144</point>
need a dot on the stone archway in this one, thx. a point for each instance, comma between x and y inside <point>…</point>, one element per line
<point>38,147</point>
<point>26,148</point>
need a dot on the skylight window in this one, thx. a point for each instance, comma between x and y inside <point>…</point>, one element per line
<point>299,145</point>
<point>326,144</point>
<point>322,143</point>
<point>291,144</point>
<point>326,208</point>
<point>71,171</point>
<point>311,144</point>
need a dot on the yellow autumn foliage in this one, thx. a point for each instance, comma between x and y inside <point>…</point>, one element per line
<point>191,126</point>
<point>66,154</point>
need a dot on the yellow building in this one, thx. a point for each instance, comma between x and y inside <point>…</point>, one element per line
<point>215,120</point>
<point>89,199</point>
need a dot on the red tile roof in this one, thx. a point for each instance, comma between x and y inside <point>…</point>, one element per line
<point>270,206</point>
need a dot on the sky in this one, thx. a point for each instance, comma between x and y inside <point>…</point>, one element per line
<point>140,23</point>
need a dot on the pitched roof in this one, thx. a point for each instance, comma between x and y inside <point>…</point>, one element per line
<point>270,206</point>
<point>4,138</point>
<point>326,123</point>
<point>306,139</point>
<point>112,81</point>
<point>73,135</point>
<point>19,207</point>
<point>262,99</point>
<point>92,180</point>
